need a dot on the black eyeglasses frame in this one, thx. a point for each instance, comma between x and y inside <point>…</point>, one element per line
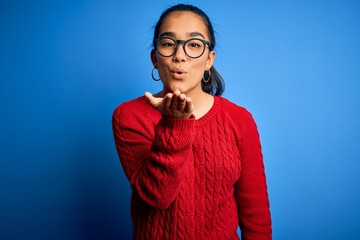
<point>183,42</point>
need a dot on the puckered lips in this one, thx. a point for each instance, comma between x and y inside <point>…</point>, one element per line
<point>178,73</point>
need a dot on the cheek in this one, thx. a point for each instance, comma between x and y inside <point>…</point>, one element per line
<point>160,62</point>
<point>161,67</point>
<point>198,69</point>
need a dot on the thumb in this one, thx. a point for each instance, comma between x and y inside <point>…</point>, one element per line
<point>151,99</point>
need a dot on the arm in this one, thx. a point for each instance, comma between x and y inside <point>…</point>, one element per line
<point>154,160</point>
<point>251,188</point>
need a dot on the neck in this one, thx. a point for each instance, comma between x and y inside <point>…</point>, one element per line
<point>200,98</point>
<point>202,102</point>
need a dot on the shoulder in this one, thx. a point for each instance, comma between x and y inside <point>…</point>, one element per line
<point>133,110</point>
<point>234,110</point>
<point>129,106</point>
<point>238,115</point>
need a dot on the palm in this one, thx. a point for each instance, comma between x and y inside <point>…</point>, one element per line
<point>175,105</point>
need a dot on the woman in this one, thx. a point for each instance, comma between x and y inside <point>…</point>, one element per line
<point>193,158</point>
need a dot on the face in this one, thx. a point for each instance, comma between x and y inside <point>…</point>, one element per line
<point>180,72</point>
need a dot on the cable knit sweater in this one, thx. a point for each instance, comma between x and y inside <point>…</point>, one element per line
<point>193,178</point>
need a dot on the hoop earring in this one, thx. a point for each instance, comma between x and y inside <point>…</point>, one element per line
<point>208,79</point>
<point>152,75</point>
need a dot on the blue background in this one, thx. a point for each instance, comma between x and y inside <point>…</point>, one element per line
<point>66,65</point>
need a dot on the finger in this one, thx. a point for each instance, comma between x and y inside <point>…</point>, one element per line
<point>149,98</point>
<point>153,101</point>
<point>177,92</point>
<point>189,106</point>
<point>181,102</point>
<point>174,100</point>
<point>167,100</point>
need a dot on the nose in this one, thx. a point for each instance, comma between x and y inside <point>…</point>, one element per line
<point>179,55</point>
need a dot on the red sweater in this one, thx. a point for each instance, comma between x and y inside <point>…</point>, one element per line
<point>193,179</point>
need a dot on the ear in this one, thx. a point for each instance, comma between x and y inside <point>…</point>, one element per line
<point>153,58</point>
<point>210,59</point>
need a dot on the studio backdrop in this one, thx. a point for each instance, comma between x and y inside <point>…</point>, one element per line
<point>66,65</point>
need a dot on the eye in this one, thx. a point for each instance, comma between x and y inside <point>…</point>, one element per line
<point>165,43</point>
<point>195,44</point>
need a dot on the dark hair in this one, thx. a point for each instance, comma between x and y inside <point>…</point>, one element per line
<point>216,84</point>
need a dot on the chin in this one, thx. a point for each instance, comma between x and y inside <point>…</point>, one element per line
<point>182,89</point>
<point>183,86</point>
<point>176,86</point>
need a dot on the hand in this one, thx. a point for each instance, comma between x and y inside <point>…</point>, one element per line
<point>174,105</point>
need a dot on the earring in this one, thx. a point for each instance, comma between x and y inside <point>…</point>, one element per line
<point>152,75</point>
<point>209,75</point>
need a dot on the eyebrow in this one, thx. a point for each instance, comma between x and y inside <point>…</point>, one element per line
<point>196,34</point>
<point>191,34</point>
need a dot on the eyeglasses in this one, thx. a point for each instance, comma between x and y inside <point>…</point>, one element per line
<point>193,47</point>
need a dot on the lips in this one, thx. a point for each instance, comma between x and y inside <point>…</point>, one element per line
<point>178,73</point>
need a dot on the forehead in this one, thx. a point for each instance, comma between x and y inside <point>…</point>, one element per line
<point>183,23</point>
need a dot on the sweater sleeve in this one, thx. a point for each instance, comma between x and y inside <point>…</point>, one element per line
<point>154,160</point>
<point>251,188</point>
